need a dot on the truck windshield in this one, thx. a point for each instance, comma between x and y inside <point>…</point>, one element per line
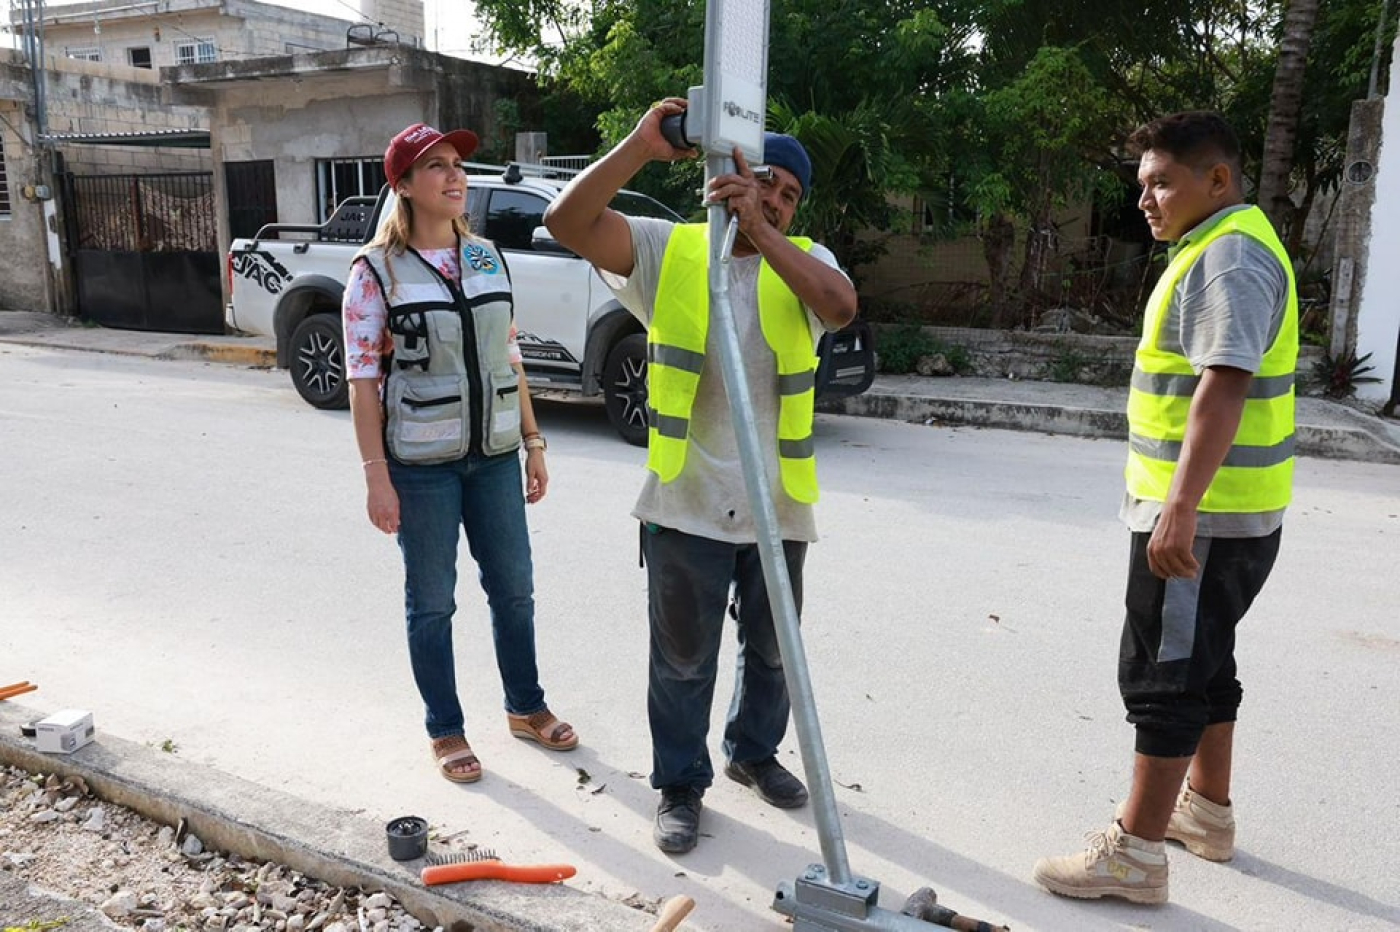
<point>639,205</point>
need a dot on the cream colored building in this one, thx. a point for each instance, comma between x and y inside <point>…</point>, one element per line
<point>167,33</point>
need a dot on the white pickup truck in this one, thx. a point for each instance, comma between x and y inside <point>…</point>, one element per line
<point>287,282</point>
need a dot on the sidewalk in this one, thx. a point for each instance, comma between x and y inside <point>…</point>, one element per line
<point>34,328</point>
<point>1325,428</point>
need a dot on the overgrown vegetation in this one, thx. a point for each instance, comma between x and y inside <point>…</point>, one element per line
<point>901,349</point>
<point>1069,365</point>
<point>996,114</point>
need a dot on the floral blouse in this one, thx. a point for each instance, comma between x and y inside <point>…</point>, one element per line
<point>365,316</point>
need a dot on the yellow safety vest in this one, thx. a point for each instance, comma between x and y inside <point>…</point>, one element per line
<point>1257,474</point>
<point>676,355</point>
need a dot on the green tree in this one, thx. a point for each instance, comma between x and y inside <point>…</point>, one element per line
<point>871,124</point>
<point>1037,144</point>
<point>1022,103</point>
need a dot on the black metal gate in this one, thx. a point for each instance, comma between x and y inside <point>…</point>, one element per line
<point>250,191</point>
<point>144,250</point>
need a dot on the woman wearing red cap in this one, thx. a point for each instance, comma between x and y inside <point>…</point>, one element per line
<point>441,408</point>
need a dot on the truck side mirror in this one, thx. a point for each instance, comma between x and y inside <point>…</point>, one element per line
<point>542,241</point>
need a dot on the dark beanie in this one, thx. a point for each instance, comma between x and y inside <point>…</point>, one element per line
<point>786,152</point>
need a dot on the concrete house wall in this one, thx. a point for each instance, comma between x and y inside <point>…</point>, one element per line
<point>156,31</point>
<point>295,110</point>
<point>98,98</point>
<point>22,253</point>
<point>83,97</point>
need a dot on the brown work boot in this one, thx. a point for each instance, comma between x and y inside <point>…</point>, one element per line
<point>1207,829</point>
<point>1115,864</point>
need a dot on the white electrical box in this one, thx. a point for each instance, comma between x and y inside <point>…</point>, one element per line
<point>63,732</point>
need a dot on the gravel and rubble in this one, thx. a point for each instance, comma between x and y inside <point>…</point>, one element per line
<point>56,836</point>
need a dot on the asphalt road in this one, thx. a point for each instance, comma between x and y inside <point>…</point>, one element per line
<point>183,550</point>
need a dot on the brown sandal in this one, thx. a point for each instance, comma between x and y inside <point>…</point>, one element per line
<point>452,751</point>
<point>544,728</point>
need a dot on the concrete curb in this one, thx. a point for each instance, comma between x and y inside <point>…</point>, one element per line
<point>234,815</point>
<point>1050,419</point>
<point>1349,442</point>
<point>254,356</point>
<point>250,354</point>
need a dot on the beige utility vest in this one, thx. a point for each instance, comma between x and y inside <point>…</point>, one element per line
<point>450,389</point>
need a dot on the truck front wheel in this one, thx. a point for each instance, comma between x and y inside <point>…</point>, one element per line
<point>625,388</point>
<point>318,362</point>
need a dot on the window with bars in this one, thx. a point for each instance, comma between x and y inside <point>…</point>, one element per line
<point>85,53</point>
<point>4,186</point>
<point>337,179</point>
<point>195,52</point>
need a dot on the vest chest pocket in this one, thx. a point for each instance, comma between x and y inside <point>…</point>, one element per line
<point>427,419</point>
<point>426,340</point>
<point>504,429</point>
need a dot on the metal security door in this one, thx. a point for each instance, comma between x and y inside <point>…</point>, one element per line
<point>144,251</point>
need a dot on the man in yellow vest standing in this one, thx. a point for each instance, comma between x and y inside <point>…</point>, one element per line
<point>698,535</point>
<point>1210,472</point>
<point>1208,477</point>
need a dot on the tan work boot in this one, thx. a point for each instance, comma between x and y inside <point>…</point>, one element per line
<point>1207,829</point>
<point>1115,864</point>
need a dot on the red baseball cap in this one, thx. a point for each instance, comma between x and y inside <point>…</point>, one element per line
<point>408,147</point>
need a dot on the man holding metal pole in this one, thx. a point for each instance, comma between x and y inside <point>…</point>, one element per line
<point>699,541</point>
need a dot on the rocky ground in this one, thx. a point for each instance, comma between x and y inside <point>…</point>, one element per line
<point>56,837</point>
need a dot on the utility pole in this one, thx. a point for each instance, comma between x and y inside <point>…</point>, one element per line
<point>57,290</point>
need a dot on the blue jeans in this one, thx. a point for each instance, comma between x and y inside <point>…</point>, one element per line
<point>484,495</point>
<point>688,586</point>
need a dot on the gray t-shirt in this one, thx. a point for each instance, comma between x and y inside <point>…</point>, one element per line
<point>709,498</point>
<point>1226,311</point>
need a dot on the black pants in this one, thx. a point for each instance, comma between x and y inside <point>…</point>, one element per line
<point>1176,662</point>
<point>689,585</point>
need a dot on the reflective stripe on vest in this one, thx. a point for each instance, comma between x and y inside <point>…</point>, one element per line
<point>676,356</point>
<point>1257,474</point>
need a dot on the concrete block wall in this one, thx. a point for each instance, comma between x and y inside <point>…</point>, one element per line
<point>22,256</point>
<point>1054,357</point>
<point>238,29</point>
<point>160,35</point>
<point>99,97</point>
<point>466,98</point>
<point>402,16</point>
